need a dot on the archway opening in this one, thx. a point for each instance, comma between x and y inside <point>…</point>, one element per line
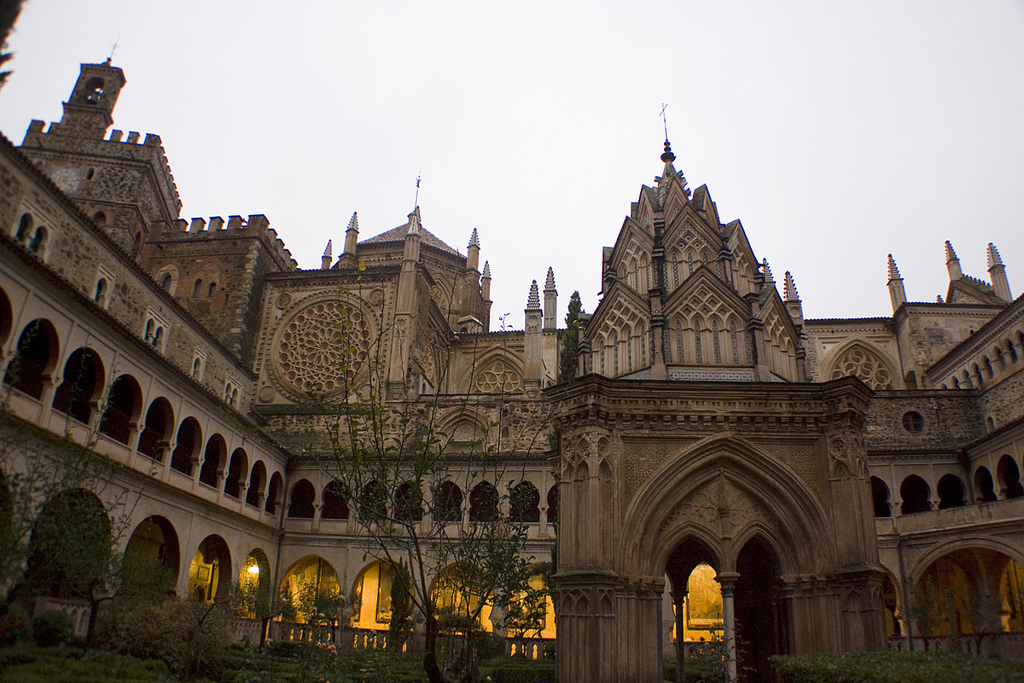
<point>209,576</point>
<point>972,591</point>
<point>254,601</point>
<point>152,557</point>
<point>696,603</point>
<point>313,591</point>
<point>761,622</point>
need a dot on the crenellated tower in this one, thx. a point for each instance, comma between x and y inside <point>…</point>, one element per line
<point>124,185</point>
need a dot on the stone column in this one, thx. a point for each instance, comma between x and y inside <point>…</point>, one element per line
<point>728,582</point>
<point>678,598</point>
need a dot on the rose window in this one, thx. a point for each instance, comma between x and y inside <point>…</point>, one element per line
<point>322,348</point>
<point>863,365</point>
<point>498,377</point>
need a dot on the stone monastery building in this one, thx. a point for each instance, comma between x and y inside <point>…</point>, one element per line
<point>815,485</point>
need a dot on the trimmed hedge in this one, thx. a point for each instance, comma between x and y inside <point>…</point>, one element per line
<point>896,667</point>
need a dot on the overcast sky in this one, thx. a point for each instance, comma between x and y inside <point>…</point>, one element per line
<point>837,132</point>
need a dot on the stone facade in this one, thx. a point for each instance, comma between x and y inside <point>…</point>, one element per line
<point>826,470</point>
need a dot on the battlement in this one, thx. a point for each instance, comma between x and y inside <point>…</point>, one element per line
<point>256,225</point>
<point>112,147</point>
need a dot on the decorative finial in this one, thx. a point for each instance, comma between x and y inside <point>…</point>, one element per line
<point>667,156</point>
<point>767,271</point>
<point>993,256</point>
<point>789,288</point>
<point>487,270</point>
<point>353,223</point>
<point>894,272</point>
<point>950,254</point>
<point>416,202</point>
<point>550,282</point>
<point>534,300</point>
<point>414,222</point>
<point>327,251</point>
<point>474,239</point>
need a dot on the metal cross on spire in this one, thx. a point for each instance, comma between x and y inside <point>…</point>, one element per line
<point>668,157</point>
<point>664,119</point>
<point>417,200</point>
<point>113,49</point>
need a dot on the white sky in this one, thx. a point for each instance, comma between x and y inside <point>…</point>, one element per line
<point>836,131</point>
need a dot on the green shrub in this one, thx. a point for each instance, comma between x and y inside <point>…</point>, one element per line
<point>895,667</point>
<point>14,625</point>
<point>51,628</point>
<point>190,637</point>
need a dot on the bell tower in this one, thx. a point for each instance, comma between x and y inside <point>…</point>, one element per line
<point>89,111</point>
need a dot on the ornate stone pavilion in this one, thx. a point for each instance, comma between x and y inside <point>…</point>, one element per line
<point>725,468</point>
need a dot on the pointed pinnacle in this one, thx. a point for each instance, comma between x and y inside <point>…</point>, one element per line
<point>550,282</point>
<point>474,239</point>
<point>487,270</point>
<point>993,256</point>
<point>327,251</point>
<point>789,288</point>
<point>353,223</point>
<point>534,300</point>
<point>950,254</point>
<point>767,271</point>
<point>894,272</point>
<point>414,222</point>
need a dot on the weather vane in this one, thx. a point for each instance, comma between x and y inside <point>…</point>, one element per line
<point>417,202</point>
<point>113,48</point>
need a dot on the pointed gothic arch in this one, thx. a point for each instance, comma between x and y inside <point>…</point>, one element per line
<point>862,359</point>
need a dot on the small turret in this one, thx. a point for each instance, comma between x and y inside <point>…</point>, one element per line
<point>89,111</point>
<point>897,294</point>
<point>473,252</point>
<point>953,263</point>
<point>997,271</point>
<point>325,260</point>
<point>533,344</point>
<point>550,301</point>
<point>352,235</point>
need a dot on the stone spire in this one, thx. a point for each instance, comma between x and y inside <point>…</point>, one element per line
<point>953,263</point>
<point>485,282</point>
<point>789,288</point>
<point>767,270</point>
<point>412,237</point>
<point>997,271</point>
<point>352,234</point>
<point>897,294</point>
<point>533,302</point>
<point>791,298</point>
<point>473,251</point>
<point>325,260</point>
<point>550,301</point>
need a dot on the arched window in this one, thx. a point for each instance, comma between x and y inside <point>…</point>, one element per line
<point>213,461</point>
<point>257,480</point>
<point>197,289</point>
<point>83,380</point>
<point>101,291</point>
<point>274,493</point>
<point>483,502</point>
<point>156,434</point>
<point>984,487</point>
<point>34,359</point>
<point>212,291</point>
<point>334,503</point>
<point>409,502</point>
<point>880,498</point>
<point>448,502</point>
<point>24,229</point>
<point>1009,478</point>
<point>38,243</point>
<point>124,403</point>
<point>915,494</point>
<point>188,443</point>
<point>238,469</point>
<point>951,492</point>
<point>165,282</point>
<point>302,499</point>
<point>524,503</point>
<point>553,504</point>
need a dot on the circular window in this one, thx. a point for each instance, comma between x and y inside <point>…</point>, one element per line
<point>913,422</point>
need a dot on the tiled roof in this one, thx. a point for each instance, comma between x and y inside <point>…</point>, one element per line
<point>397,235</point>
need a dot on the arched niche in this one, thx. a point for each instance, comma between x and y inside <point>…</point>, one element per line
<point>209,576</point>
<point>152,557</point>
